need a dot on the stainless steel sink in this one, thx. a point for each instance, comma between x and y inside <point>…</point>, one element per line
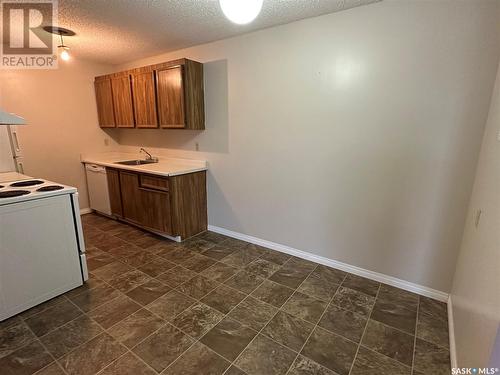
<point>136,162</point>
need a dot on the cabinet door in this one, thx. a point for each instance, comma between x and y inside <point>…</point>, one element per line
<point>115,198</point>
<point>194,96</point>
<point>170,90</point>
<point>143,92</point>
<point>188,194</point>
<point>155,210</point>
<point>122,102</point>
<point>147,207</point>
<point>104,101</point>
<point>129,186</point>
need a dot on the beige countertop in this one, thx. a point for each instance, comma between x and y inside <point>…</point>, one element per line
<point>164,167</point>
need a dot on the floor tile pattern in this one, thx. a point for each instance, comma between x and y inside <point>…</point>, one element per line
<point>218,305</point>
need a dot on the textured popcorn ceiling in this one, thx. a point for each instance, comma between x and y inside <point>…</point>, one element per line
<point>118,31</point>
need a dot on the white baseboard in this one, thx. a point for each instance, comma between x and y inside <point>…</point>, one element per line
<point>84,211</point>
<point>393,281</point>
<point>451,330</point>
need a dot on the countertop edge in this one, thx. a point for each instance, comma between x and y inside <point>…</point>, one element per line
<point>143,168</point>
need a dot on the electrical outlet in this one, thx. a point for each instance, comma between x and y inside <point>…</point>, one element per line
<point>498,136</point>
<point>197,146</point>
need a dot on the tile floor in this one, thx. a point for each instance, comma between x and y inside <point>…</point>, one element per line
<point>217,305</point>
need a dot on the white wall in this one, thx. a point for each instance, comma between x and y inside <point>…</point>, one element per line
<point>353,135</point>
<point>476,287</point>
<point>59,107</point>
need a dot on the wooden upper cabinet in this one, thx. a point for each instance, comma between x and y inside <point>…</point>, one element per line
<point>168,95</point>
<point>122,101</point>
<point>194,95</point>
<point>104,101</point>
<point>180,95</point>
<point>144,98</point>
<point>169,86</point>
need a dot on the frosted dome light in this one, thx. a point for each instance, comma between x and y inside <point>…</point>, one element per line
<point>241,11</point>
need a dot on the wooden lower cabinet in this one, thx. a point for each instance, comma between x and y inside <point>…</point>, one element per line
<point>189,203</point>
<point>176,205</point>
<point>115,198</point>
<point>130,194</point>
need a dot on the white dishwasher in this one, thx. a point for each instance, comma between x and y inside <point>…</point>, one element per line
<point>97,185</point>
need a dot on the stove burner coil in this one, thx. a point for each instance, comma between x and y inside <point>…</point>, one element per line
<point>13,193</point>
<point>27,183</point>
<point>50,188</point>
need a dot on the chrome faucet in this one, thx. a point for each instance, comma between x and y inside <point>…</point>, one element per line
<point>149,156</point>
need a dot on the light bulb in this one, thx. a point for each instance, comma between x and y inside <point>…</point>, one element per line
<point>241,11</point>
<point>65,54</point>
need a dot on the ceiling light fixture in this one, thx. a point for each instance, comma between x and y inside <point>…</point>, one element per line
<point>241,11</point>
<point>63,49</point>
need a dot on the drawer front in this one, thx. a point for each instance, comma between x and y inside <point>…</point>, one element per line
<point>153,182</point>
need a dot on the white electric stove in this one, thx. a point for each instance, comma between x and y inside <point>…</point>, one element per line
<point>29,189</point>
<point>42,251</point>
